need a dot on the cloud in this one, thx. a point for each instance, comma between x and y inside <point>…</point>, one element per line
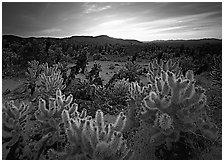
<point>91,8</point>
<point>142,21</point>
<point>50,31</point>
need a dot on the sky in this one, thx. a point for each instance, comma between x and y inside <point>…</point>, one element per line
<point>143,21</point>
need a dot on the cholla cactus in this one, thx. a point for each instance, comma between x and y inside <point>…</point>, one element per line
<point>132,67</point>
<point>51,113</point>
<point>50,80</point>
<point>156,68</point>
<point>33,70</point>
<point>138,93</point>
<point>13,118</point>
<point>49,70</point>
<point>92,138</point>
<point>178,103</point>
<point>135,104</point>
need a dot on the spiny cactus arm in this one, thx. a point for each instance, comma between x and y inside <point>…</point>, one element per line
<point>198,95</point>
<point>190,75</point>
<point>147,113</point>
<point>109,131</point>
<point>161,85</point>
<point>158,84</point>
<point>87,138</point>
<point>189,91</point>
<point>46,69</point>
<point>63,102</point>
<point>120,122</point>
<point>71,133</point>
<point>99,120</point>
<point>173,66</point>
<point>52,107</point>
<point>115,142</point>
<point>124,152</point>
<point>42,113</point>
<point>177,87</point>
<point>138,93</point>
<point>150,100</point>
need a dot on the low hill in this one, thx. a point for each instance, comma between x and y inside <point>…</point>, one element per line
<point>98,40</point>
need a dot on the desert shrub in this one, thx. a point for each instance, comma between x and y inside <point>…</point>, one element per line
<point>130,72</point>
<point>118,93</point>
<point>187,63</point>
<point>94,75</point>
<point>81,89</point>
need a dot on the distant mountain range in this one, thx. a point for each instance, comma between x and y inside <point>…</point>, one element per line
<point>99,40</point>
<point>104,39</point>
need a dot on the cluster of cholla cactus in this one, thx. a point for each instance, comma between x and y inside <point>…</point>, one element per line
<point>92,138</point>
<point>155,69</point>
<point>138,93</point>
<point>175,104</point>
<point>50,80</point>
<point>51,114</point>
<point>13,118</point>
<point>57,124</point>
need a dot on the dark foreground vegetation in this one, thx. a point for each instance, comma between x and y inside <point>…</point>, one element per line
<point>57,115</point>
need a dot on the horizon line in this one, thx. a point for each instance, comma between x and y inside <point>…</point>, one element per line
<point>180,39</point>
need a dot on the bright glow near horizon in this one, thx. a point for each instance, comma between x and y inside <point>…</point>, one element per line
<point>140,21</point>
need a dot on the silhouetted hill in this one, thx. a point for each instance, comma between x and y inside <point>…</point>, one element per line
<point>99,40</point>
